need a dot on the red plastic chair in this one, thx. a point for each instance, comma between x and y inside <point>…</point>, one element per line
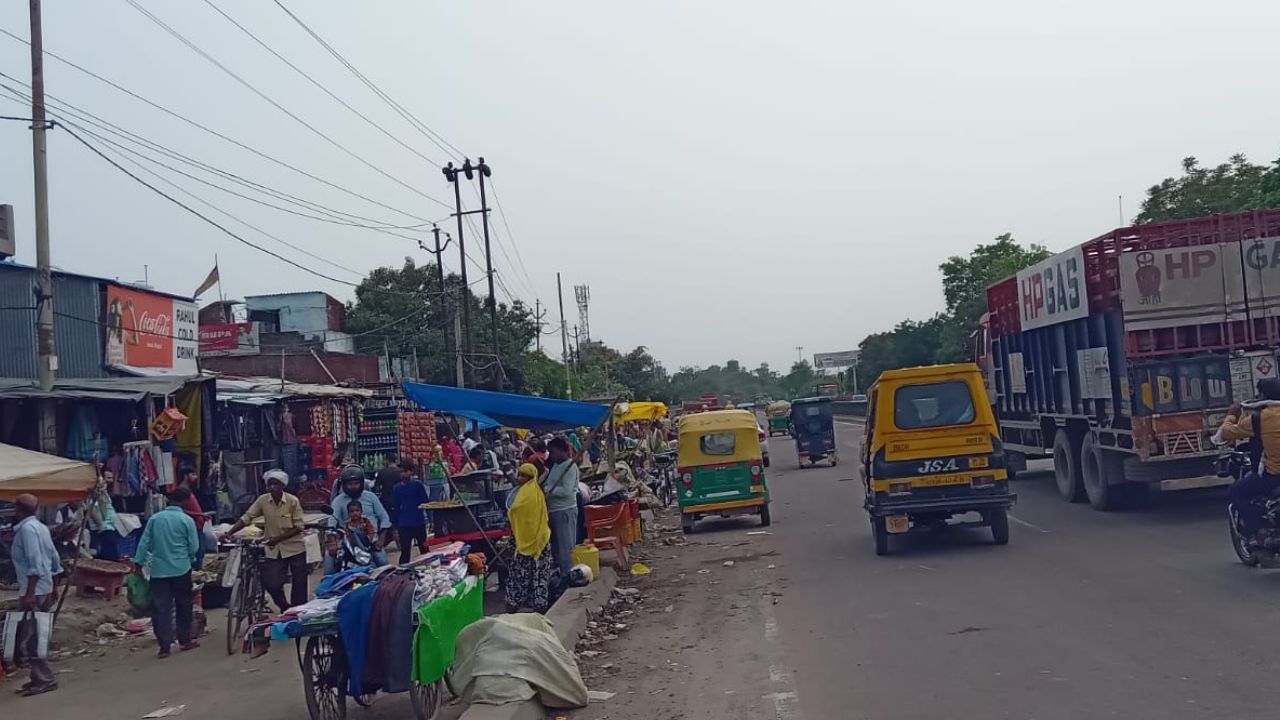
<point>604,528</point>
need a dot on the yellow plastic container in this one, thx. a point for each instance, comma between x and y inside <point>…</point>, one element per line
<point>589,555</point>
<point>637,531</point>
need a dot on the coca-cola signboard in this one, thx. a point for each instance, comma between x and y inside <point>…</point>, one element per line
<point>151,331</point>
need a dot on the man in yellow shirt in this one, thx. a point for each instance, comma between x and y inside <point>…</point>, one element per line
<point>282,523</point>
<point>1239,426</point>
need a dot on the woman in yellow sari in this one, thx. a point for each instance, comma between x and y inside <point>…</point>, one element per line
<point>532,567</point>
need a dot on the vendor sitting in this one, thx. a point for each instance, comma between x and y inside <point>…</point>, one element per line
<point>371,511</point>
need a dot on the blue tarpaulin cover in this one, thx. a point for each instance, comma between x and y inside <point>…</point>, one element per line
<point>491,409</point>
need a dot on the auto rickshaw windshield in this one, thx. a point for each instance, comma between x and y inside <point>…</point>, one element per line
<point>932,405</point>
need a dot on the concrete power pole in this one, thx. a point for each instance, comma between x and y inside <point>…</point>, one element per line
<point>484,172</point>
<point>47,360</point>
<point>564,340</point>
<point>464,338</point>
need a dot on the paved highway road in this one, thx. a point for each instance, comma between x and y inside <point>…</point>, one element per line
<point>1082,615</point>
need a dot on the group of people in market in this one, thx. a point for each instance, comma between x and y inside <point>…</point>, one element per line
<point>544,508</point>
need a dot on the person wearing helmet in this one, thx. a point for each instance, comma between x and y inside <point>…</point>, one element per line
<point>353,489</point>
<point>1264,429</point>
<point>282,527</point>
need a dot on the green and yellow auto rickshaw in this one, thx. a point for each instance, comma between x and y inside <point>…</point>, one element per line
<point>721,468</point>
<point>778,415</point>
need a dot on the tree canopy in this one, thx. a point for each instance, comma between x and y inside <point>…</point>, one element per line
<point>1232,186</point>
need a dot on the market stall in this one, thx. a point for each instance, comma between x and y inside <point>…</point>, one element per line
<point>345,649</point>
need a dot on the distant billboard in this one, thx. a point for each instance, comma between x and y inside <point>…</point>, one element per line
<point>150,330</point>
<point>833,360</point>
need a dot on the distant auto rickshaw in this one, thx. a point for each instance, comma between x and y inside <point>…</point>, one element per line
<point>778,416</point>
<point>932,451</point>
<point>721,468</point>
<point>814,430</point>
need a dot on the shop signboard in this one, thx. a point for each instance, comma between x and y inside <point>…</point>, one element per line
<point>149,330</point>
<point>229,339</point>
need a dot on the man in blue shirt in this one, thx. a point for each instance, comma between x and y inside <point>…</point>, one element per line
<point>406,499</point>
<point>170,545</point>
<point>35,562</point>
<point>352,479</point>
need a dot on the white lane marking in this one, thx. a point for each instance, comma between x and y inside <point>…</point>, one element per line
<point>786,701</point>
<point>1026,524</point>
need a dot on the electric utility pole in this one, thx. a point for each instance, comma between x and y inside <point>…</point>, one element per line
<point>47,360</point>
<point>564,340</point>
<point>484,172</point>
<point>449,307</point>
<point>538,314</point>
<point>464,341</point>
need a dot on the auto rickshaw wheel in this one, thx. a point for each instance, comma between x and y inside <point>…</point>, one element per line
<point>765,519</point>
<point>686,525</point>
<point>765,460</point>
<point>880,528</point>
<point>999,522</point>
<point>835,459</point>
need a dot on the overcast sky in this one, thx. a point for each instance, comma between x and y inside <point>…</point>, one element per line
<point>732,179</point>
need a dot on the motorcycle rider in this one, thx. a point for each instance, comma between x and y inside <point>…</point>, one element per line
<point>1239,426</point>
<point>353,489</point>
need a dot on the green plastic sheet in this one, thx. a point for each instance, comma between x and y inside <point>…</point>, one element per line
<point>439,623</point>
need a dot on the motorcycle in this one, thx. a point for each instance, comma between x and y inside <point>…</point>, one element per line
<point>1252,551</point>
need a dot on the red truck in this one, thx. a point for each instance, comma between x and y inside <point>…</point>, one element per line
<point>1119,357</point>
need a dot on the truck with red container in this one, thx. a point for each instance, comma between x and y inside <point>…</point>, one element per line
<point>1119,357</point>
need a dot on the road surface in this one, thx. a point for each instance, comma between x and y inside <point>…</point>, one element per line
<point>1082,615</point>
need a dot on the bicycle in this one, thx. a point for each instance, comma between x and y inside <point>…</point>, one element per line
<point>248,602</point>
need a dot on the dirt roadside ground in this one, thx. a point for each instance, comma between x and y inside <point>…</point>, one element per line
<point>703,615</point>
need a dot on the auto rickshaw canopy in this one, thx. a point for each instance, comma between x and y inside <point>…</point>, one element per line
<point>740,424</point>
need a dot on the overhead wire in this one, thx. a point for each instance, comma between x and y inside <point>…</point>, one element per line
<point>319,85</point>
<point>259,153</point>
<point>437,139</point>
<point>335,217</point>
<point>252,88</point>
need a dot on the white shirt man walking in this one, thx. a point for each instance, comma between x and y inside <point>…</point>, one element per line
<point>36,562</point>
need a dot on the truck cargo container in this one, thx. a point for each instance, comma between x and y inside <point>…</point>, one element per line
<point>1119,357</point>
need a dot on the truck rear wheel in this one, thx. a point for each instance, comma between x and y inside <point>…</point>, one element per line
<point>1066,467</point>
<point>1104,478</point>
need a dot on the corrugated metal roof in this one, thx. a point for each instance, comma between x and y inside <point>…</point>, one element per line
<point>113,281</point>
<point>77,333</point>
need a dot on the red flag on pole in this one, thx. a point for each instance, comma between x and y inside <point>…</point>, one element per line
<point>209,281</point>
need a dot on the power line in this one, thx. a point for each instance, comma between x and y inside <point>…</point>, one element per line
<point>201,52</point>
<point>197,213</point>
<point>422,220</point>
<point>319,85</point>
<point>106,126</point>
<point>497,203</point>
<point>409,117</point>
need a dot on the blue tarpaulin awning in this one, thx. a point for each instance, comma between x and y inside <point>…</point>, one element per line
<point>490,408</point>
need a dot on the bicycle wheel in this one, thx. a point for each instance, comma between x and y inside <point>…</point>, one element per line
<point>235,617</point>
<point>324,679</point>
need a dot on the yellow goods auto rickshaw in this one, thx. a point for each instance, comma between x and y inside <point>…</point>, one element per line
<point>932,451</point>
<point>721,469</point>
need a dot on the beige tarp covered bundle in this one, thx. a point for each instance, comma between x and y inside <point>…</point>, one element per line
<point>51,478</point>
<point>629,412</point>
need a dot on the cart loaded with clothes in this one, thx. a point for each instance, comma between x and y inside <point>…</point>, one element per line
<point>389,629</point>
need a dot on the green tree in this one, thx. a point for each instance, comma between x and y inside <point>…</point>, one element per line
<point>1232,186</point>
<point>405,309</point>
<point>964,286</point>
<point>800,380</point>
